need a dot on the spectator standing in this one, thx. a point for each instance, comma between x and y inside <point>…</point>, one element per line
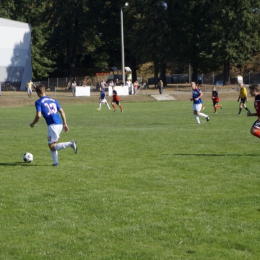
<point>129,86</point>
<point>117,83</point>
<point>160,86</point>
<point>111,83</point>
<point>73,87</point>
<point>29,87</point>
<point>84,84</point>
<point>103,83</point>
<point>135,86</point>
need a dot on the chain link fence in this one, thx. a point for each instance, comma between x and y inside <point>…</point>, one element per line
<point>177,82</point>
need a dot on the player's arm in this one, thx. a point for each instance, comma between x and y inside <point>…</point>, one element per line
<point>36,119</point>
<point>238,98</point>
<point>64,121</point>
<point>201,94</point>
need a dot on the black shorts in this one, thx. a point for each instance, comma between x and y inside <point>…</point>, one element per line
<point>243,100</point>
<point>117,102</point>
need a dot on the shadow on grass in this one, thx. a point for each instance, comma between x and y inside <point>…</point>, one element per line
<point>17,164</point>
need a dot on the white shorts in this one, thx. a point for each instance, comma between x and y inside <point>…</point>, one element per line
<point>54,133</point>
<point>103,101</point>
<point>29,91</point>
<point>197,107</point>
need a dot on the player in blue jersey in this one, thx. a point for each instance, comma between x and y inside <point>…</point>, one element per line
<point>197,102</point>
<point>102,99</point>
<point>50,108</point>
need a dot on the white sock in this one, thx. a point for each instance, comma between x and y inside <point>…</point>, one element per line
<point>202,114</point>
<point>197,119</point>
<point>108,106</point>
<point>54,155</point>
<point>61,146</point>
<point>99,105</point>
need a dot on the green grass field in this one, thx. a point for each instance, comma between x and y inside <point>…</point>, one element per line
<point>148,183</point>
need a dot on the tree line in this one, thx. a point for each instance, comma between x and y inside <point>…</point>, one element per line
<point>70,35</point>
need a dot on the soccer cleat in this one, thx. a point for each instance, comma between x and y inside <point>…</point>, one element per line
<point>98,109</point>
<point>55,164</point>
<point>121,110</point>
<point>74,146</point>
<point>207,118</point>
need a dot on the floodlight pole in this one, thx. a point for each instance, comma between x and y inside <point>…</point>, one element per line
<point>122,44</point>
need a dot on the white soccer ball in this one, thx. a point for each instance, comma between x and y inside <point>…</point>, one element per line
<point>28,157</point>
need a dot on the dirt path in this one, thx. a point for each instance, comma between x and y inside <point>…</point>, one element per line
<point>20,98</point>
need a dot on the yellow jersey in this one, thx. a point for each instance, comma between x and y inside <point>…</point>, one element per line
<point>243,93</point>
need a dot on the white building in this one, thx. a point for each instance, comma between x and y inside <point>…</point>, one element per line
<point>15,52</point>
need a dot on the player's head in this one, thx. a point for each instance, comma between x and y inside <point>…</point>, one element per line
<point>193,84</point>
<point>40,90</point>
<point>254,89</point>
<point>240,85</point>
<point>214,88</point>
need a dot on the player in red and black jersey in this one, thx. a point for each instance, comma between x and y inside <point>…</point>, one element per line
<point>116,100</point>
<point>255,92</point>
<point>215,99</point>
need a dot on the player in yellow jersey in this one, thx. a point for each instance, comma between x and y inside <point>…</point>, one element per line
<point>243,98</point>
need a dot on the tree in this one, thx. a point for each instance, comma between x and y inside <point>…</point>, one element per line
<point>214,34</point>
<point>147,34</point>
<point>73,33</point>
<point>235,34</point>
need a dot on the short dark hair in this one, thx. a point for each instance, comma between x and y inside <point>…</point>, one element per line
<point>255,87</point>
<point>40,89</point>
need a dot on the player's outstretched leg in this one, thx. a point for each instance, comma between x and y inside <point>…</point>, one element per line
<point>74,146</point>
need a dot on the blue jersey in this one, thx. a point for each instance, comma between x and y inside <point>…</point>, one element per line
<point>195,94</point>
<point>49,108</point>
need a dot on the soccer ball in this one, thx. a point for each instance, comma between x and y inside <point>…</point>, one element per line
<point>28,157</point>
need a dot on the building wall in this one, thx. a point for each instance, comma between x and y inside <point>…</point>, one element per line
<point>15,52</point>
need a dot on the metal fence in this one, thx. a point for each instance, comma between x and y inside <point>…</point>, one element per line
<point>210,79</point>
<point>65,83</point>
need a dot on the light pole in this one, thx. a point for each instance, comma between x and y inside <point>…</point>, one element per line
<point>122,44</point>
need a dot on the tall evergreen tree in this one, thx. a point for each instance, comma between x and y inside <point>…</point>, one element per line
<point>72,33</point>
<point>147,34</point>
<point>214,34</point>
<point>235,34</point>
